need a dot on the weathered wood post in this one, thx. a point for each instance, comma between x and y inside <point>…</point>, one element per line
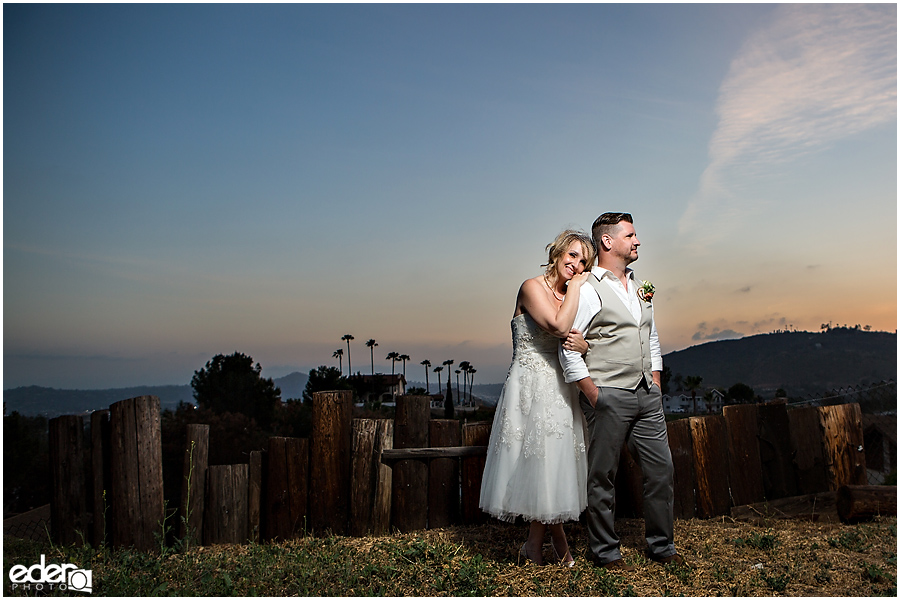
<point>682,448</point>
<point>329,473</point>
<point>744,466</point>
<point>711,465</point>
<point>863,502</point>
<point>808,447</point>
<point>473,434</point>
<point>136,505</point>
<point>193,483</point>
<point>370,504</point>
<point>286,494</point>
<point>410,478</point>
<point>100,474</point>
<point>225,518</point>
<point>779,478</point>
<point>443,475</point>
<point>68,500</point>
<point>255,495</point>
<point>845,456</point>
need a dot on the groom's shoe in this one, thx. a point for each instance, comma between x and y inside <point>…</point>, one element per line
<point>675,559</point>
<point>612,565</point>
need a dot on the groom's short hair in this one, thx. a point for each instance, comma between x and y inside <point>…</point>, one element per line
<point>607,223</point>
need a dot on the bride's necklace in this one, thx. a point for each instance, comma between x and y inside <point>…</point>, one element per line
<point>550,287</point>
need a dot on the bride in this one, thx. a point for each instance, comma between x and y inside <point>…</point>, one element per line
<point>536,463</point>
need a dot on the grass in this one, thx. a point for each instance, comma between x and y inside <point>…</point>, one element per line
<point>724,558</point>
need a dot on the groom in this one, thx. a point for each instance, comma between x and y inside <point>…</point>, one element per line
<point>619,379</point>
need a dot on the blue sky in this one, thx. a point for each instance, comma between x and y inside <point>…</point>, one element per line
<point>186,180</point>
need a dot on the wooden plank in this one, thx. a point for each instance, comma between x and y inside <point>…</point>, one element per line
<point>381,511</point>
<point>808,507</point>
<point>474,434</point>
<point>744,466</point>
<point>779,478</point>
<point>711,465</point>
<point>225,517</point>
<point>682,449</point>
<point>254,495</point>
<point>286,497</point>
<point>808,447</point>
<point>100,475</point>
<point>277,511</point>
<point>857,503</point>
<point>389,456</point>
<point>136,506</point>
<point>193,483</point>
<point>297,453</point>
<point>329,468</point>
<point>362,470</point>
<point>68,499</point>
<point>845,457</point>
<point>410,477</point>
<point>443,475</point>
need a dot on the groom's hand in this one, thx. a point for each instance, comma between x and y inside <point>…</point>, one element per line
<point>590,391</point>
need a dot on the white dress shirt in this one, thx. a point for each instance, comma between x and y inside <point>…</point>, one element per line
<point>574,367</point>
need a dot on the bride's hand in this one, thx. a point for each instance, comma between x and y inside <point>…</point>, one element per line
<point>575,342</point>
<point>578,279</point>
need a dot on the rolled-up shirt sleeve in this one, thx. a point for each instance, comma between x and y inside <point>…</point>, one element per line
<point>574,367</point>
<point>656,362</point>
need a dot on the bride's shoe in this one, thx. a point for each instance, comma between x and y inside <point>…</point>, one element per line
<point>523,554</point>
<point>568,561</point>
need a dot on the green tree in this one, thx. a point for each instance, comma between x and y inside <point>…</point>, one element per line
<point>664,378</point>
<point>233,384</point>
<point>347,337</point>
<point>740,393</point>
<point>324,379</point>
<point>371,346</point>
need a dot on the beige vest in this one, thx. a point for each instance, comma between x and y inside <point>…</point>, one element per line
<point>618,348</point>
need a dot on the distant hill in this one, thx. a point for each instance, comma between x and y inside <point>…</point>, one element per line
<point>800,362</point>
<point>52,402</point>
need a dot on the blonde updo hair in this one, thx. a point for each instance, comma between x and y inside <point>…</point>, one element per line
<point>557,247</point>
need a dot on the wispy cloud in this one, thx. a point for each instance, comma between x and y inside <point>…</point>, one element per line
<point>818,73</point>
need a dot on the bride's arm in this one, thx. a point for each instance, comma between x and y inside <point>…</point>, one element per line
<point>533,300</point>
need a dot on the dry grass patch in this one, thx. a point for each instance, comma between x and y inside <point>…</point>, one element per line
<point>725,558</point>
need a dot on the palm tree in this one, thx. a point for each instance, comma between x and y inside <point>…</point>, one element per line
<point>438,371</point>
<point>339,354</point>
<point>471,383</point>
<point>426,363</point>
<point>464,367</point>
<point>404,358</point>
<point>692,382</point>
<point>448,364</point>
<point>371,344</point>
<point>347,337</point>
<point>393,357</point>
<point>457,386</point>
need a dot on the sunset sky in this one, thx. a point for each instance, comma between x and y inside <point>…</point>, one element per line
<point>186,180</point>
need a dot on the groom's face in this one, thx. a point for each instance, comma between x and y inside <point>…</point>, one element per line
<point>625,243</point>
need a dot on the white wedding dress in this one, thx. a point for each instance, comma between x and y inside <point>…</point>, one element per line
<point>536,464</point>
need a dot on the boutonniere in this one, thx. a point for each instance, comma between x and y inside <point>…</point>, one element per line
<point>646,291</point>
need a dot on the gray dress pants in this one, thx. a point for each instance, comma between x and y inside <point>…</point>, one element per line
<point>634,417</point>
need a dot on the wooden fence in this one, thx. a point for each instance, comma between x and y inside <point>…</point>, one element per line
<point>362,476</point>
